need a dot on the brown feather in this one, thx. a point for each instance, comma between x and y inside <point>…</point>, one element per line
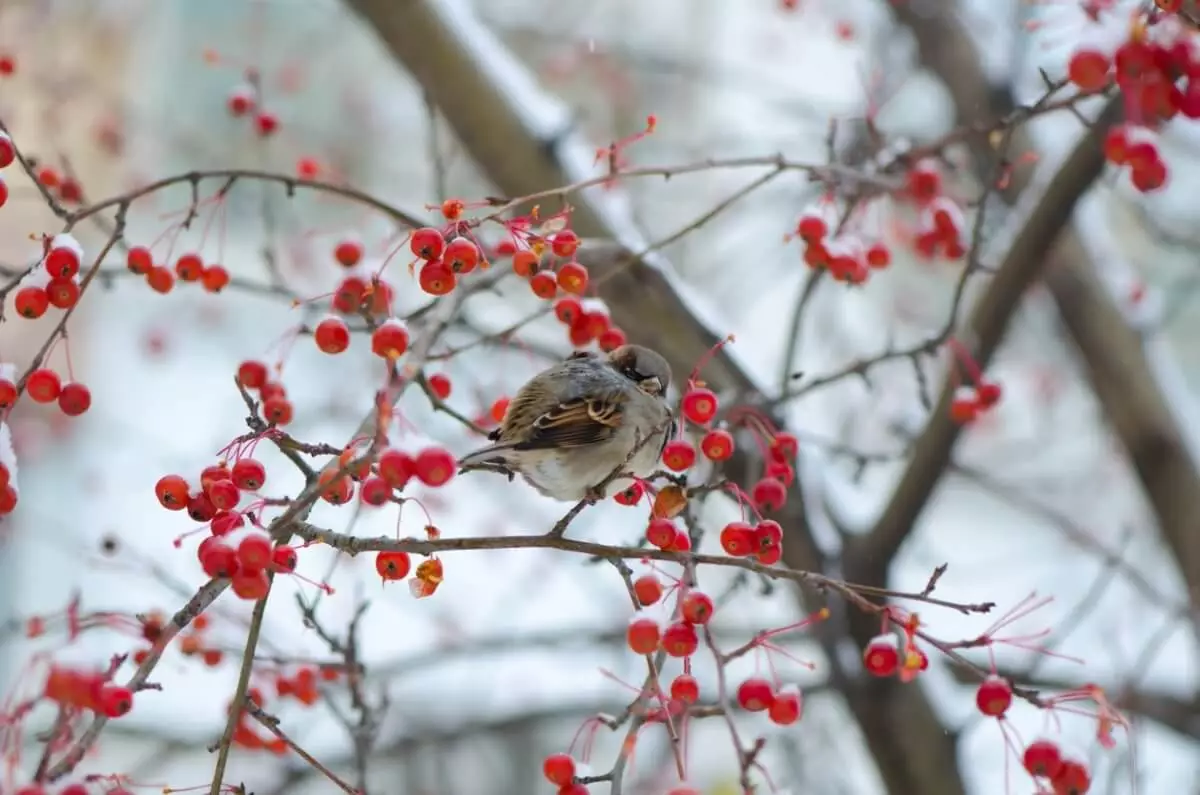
<point>576,423</point>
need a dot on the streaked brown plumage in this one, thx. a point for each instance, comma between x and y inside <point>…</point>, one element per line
<point>573,424</point>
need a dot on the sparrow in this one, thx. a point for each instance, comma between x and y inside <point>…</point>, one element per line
<point>571,426</point>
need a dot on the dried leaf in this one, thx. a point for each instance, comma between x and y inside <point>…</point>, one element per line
<point>669,503</point>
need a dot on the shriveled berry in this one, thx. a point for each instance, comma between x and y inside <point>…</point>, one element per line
<point>631,495</point>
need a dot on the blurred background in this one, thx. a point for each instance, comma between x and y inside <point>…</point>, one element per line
<point>1076,487</point>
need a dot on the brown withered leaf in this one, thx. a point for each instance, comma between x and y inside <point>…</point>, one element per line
<point>669,503</point>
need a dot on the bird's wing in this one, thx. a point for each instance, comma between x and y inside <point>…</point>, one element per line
<point>575,423</point>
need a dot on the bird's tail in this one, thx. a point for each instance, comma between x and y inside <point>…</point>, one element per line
<point>490,456</point>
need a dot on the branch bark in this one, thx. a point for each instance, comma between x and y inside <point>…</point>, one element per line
<point>1115,359</point>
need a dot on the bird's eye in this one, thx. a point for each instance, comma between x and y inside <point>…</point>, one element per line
<point>651,385</point>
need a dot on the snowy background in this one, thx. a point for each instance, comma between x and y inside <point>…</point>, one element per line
<point>504,664</point>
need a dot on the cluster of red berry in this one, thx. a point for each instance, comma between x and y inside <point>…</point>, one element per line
<point>243,101</point>
<point>55,282</point>
<point>189,267</point>
<point>276,408</point>
<point>1157,70</point>
<point>845,257</point>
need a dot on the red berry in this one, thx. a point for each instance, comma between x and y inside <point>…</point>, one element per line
<point>8,394</point>
<point>64,256</point>
<point>332,335</point>
<point>661,532</point>
<point>680,639</point>
<point>74,399</point>
<point>1088,69</point>
<point>348,253</point>
<point>248,474</point>
<point>965,409</point>
<point>439,384</point>
<point>544,285</point>
<point>881,657</point>
<point>252,374</point>
<point>610,339</point>
<point>769,494</point>
<point>755,694</point>
<point>924,181</point>
<point>250,585</point>
<point>63,293</point>
<point>427,243</point>
<point>1042,758</point>
<point>240,101</point>
<point>266,123</point>
<point>336,490</point>
<point>717,445</point>
<point>172,492</point>
<point>994,696</point>
<point>1072,779</point>
<point>696,607</point>
<point>461,255</point>
<point>349,295</point>
<point>988,393</point>
<point>452,209</point>
<point>277,410</point>
<point>115,700</point>
<point>648,589</point>
<point>643,635</point>
<point>200,507</point>
<point>283,559</point>
<point>573,278</point>
<point>679,455</point>
<point>681,543</point>
<point>564,243</point>
<point>254,552</point>
<point>223,494</point>
<point>43,385</point>
<point>160,279</point>
<point>393,564</point>
<point>390,340</point>
<point>685,688</point>
<point>225,522</point>
<point>436,279</point>
<point>559,769</point>
<point>215,278</point>
<point>189,268</point>
<point>812,227</point>
<point>217,558</point>
<point>435,466</point>
<point>631,495</point>
<point>396,467</point>
<point>737,539</point>
<point>32,302</point>
<point>786,707</point>
<point>699,405</point>
<point>878,256</point>
<point>568,309</point>
<point>525,263</point>
<point>8,152</point>
<point>375,491</point>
